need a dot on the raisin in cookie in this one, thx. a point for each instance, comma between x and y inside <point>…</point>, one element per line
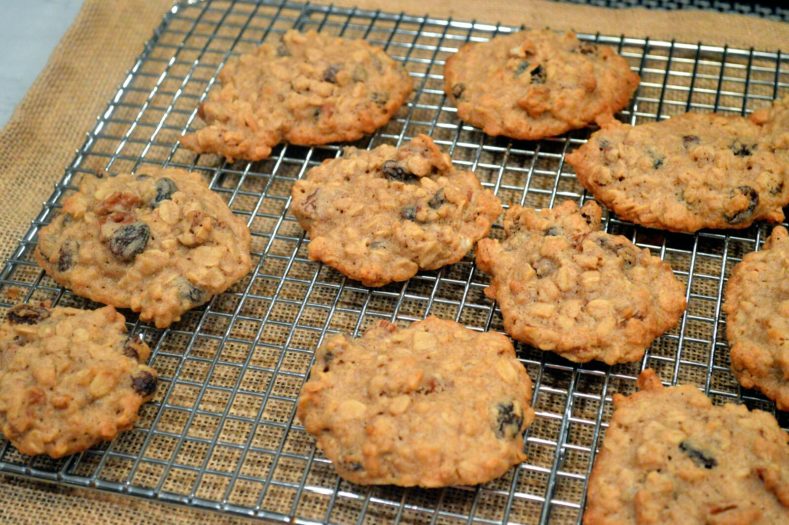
<point>307,88</point>
<point>757,313</point>
<point>670,456</point>
<point>382,215</point>
<point>432,405</point>
<point>159,242</point>
<point>69,378</point>
<point>565,286</point>
<point>536,84</point>
<point>693,171</point>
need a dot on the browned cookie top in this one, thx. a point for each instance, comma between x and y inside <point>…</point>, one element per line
<point>757,319</point>
<point>434,404</point>
<point>307,88</point>
<point>670,456</point>
<point>536,84</point>
<point>693,171</point>
<point>69,378</point>
<point>382,215</point>
<point>565,286</point>
<point>159,242</point>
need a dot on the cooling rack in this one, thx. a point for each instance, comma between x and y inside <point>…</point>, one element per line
<point>765,9</point>
<point>221,433</point>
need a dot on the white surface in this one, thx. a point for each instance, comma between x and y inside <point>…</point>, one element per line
<point>29,31</point>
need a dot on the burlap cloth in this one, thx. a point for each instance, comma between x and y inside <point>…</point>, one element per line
<point>85,70</point>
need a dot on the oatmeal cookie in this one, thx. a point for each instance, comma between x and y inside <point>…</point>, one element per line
<point>159,242</point>
<point>693,171</point>
<point>536,84</point>
<point>757,313</point>
<point>565,286</point>
<point>670,456</point>
<point>434,404</point>
<point>382,215</point>
<point>69,378</point>
<point>307,88</point>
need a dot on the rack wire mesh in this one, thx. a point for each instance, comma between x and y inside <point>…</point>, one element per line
<point>221,433</point>
<point>765,8</point>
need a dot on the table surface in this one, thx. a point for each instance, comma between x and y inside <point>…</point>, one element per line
<point>29,31</point>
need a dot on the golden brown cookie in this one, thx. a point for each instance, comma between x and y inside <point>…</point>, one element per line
<point>757,319</point>
<point>431,405</point>
<point>565,286</point>
<point>693,171</point>
<point>670,456</point>
<point>382,215</point>
<point>307,88</point>
<point>536,84</point>
<point>69,378</point>
<point>159,242</point>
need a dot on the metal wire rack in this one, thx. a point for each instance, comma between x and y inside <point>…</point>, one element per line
<point>765,8</point>
<point>221,433</point>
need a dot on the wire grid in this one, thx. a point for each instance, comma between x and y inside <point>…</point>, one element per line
<point>765,8</point>
<point>221,432</point>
